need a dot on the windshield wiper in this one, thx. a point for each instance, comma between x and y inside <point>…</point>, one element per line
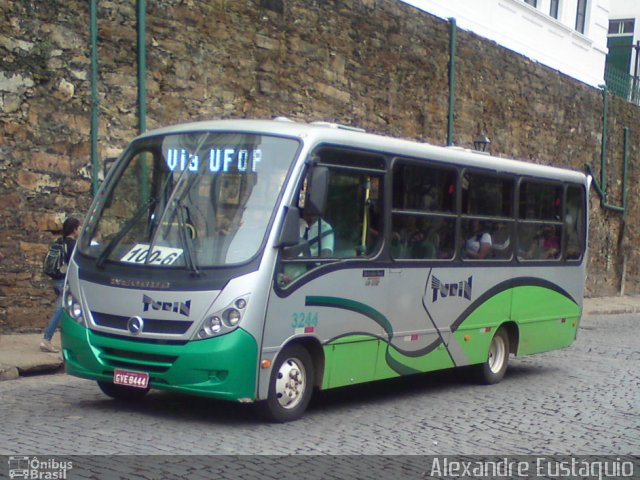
<point>127,227</point>
<point>189,254</point>
<point>178,204</point>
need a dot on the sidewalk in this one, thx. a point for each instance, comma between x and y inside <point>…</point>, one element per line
<point>20,354</point>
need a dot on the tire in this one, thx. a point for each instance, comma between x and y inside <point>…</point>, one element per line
<point>494,368</point>
<point>120,392</point>
<point>290,386</point>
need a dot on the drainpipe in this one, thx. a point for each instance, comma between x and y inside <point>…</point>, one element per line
<point>625,171</point>
<point>93,33</point>
<point>142,90</point>
<point>603,147</point>
<point>453,40</point>
<point>142,67</point>
<point>623,223</point>
<point>601,188</point>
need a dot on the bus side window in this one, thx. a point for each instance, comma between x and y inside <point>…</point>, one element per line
<point>353,208</point>
<point>540,226</point>
<point>423,216</point>
<point>351,226</point>
<point>487,204</point>
<point>574,223</point>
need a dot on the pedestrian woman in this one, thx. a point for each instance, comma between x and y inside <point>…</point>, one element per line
<point>70,232</point>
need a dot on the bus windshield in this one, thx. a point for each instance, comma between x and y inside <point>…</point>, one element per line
<point>189,200</point>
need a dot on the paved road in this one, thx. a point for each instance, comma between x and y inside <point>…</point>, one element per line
<point>581,400</point>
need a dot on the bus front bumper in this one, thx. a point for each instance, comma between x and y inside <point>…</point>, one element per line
<point>221,367</point>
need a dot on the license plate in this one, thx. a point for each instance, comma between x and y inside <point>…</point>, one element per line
<point>131,379</point>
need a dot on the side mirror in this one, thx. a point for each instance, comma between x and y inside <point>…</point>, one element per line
<point>290,232</point>
<point>316,200</point>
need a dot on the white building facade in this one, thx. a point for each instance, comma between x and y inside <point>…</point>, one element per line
<point>567,35</point>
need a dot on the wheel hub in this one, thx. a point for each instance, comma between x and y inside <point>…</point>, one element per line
<point>497,354</point>
<point>290,383</point>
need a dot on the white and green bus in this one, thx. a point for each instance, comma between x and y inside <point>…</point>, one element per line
<point>256,261</point>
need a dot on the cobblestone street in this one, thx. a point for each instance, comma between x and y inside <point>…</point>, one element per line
<point>581,400</point>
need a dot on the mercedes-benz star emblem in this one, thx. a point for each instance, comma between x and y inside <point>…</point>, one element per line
<point>135,325</point>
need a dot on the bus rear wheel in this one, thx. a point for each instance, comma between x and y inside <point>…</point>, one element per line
<point>494,368</point>
<point>290,385</point>
<point>121,392</point>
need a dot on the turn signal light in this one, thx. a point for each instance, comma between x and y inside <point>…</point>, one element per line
<point>265,363</point>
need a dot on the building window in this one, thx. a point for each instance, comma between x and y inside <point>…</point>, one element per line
<point>621,27</point>
<point>619,58</point>
<point>553,8</point>
<point>581,15</point>
<point>533,3</point>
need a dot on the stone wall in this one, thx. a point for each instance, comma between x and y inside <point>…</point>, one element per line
<point>377,64</point>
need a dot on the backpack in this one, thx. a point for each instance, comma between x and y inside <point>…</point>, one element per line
<point>54,263</point>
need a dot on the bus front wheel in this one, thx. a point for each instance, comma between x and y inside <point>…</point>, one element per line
<point>290,385</point>
<point>494,368</point>
<point>120,392</point>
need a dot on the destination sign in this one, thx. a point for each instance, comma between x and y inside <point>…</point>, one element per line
<point>215,160</point>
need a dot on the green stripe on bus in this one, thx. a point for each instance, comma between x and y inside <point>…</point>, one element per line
<point>358,358</point>
<point>352,305</point>
<point>546,319</point>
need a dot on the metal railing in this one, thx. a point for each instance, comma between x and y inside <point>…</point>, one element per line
<point>623,85</point>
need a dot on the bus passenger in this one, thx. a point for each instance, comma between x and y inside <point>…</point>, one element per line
<point>318,235</point>
<point>316,240</point>
<point>411,240</point>
<point>478,244</point>
<point>500,240</point>
<point>550,242</point>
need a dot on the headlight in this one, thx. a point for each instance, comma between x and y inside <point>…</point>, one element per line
<point>211,327</point>
<point>232,317</point>
<point>75,311</point>
<point>73,307</point>
<point>213,324</point>
<point>68,301</point>
<point>224,320</point>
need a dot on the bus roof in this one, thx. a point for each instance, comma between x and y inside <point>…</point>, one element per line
<point>341,135</point>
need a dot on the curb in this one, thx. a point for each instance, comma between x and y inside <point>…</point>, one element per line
<point>8,372</point>
<point>612,310</point>
<point>20,356</point>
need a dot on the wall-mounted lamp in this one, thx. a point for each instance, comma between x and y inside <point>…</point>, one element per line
<point>481,142</point>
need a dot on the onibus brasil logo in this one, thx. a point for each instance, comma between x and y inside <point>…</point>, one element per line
<point>38,469</point>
